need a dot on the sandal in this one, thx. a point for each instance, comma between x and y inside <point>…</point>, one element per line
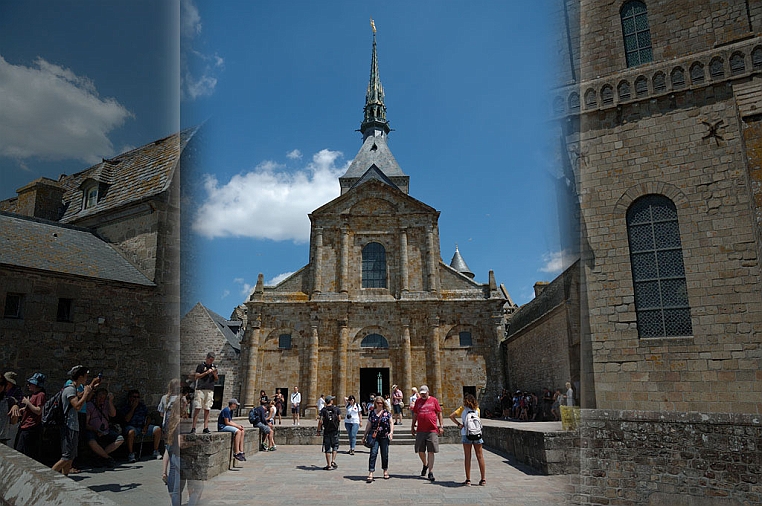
<point>327,468</point>
<point>386,476</point>
<point>482,482</point>
<point>467,483</point>
<point>369,479</point>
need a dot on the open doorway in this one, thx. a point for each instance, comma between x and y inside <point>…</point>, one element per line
<point>373,380</point>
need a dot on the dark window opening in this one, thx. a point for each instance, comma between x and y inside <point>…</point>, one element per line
<point>374,341</point>
<point>284,341</point>
<point>64,313</point>
<point>637,34</point>
<point>465,339</point>
<point>13,305</point>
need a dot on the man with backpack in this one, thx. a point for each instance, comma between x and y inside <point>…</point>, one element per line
<point>329,423</point>
<point>71,404</point>
<point>258,418</point>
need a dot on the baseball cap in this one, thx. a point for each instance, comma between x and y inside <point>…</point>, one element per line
<point>10,377</point>
<point>232,401</point>
<point>329,398</point>
<point>423,390</point>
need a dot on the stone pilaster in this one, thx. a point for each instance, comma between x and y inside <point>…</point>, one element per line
<point>407,359</point>
<point>431,260</point>
<point>404,275</point>
<point>318,267</point>
<point>435,380</point>
<point>249,364</point>
<point>344,278</point>
<point>341,375</point>
<point>312,392</point>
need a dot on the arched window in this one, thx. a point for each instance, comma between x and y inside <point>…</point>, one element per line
<point>658,272</point>
<point>373,266</point>
<point>374,341</point>
<point>637,34</point>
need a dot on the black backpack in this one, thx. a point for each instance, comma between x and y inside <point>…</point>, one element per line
<point>53,411</point>
<point>255,416</point>
<point>330,419</point>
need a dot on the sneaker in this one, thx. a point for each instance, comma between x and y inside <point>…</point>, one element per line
<point>193,430</point>
<point>207,431</point>
<point>239,457</point>
<point>334,465</point>
<point>131,458</point>
<point>262,448</point>
<point>352,451</point>
<point>156,455</point>
<point>272,448</point>
<point>431,477</point>
<point>423,471</point>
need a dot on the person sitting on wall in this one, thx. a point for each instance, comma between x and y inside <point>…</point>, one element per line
<point>100,436</point>
<point>135,415</point>
<point>225,423</point>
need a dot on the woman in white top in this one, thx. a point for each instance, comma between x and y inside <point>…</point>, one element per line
<point>413,398</point>
<point>352,422</point>
<point>569,394</point>
<point>469,404</point>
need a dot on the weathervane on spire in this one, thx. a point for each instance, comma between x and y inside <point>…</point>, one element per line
<point>373,25</point>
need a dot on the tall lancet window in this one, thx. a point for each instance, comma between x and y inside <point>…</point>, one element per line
<point>637,34</point>
<point>658,272</point>
<point>373,266</point>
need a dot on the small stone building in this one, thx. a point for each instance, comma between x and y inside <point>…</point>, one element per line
<point>659,109</point>
<point>375,305</point>
<point>89,272</point>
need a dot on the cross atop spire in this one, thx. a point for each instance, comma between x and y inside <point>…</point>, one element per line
<point>374,120</point>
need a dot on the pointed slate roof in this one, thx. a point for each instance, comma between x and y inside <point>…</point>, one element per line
<point>459,264</point>
<point>33,243</point>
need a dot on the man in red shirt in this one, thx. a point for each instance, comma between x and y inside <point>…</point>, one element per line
<point>426,427</point>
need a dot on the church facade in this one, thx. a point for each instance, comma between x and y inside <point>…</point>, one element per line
<point>375,305</point>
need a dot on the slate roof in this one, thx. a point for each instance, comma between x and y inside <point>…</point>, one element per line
<point>49,246</point>
<point>130,177</point>
<point>226,327</point>
<point>459,264</point>
<point>374,151</point>
<point>374,173</point>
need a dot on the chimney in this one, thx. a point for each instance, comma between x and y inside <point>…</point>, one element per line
<point>42,198</point>
<point>539,287</point>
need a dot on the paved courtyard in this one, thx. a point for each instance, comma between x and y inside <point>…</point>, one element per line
<point>295,474</point>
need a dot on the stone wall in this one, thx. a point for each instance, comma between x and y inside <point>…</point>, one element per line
<point>645,458</point>
<point>27,483</point>
<point>116,329</point>
<point>204,456</point>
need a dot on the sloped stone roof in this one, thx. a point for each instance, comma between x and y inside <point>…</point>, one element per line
<point>49,246</point>
<point>226,327</point>
<point>374,151</point>
<point>130,177</point>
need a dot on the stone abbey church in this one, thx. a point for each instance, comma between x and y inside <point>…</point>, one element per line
<point>376,305</point>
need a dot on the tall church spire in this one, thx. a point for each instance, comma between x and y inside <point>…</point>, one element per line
<point>374,120</point>
<point>374,160</point>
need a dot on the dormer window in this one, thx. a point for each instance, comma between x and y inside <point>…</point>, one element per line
<point>90,198</point>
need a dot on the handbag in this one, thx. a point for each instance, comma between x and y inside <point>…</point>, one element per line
<point>370,437</point>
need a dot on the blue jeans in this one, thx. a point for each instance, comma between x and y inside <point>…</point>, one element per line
<point>174,483</point>
<point>383,444</point>
<point>352,429</point>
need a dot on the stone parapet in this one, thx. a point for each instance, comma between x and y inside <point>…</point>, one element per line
<point>26,482</point>
<point>648,457</point>
<point>547,452</point>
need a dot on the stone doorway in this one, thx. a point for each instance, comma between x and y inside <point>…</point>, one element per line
<point>373,380</point>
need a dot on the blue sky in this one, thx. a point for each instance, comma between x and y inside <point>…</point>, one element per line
<point>279,88</point>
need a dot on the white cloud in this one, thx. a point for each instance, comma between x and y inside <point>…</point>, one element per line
<point>294,155</point>
<point>48,111</point>
<point>268,202</point>
<point>225,293</point>
<point>277,279</point>
<point>198,69</point>
<point>557,261</point>
<point>246,288</point>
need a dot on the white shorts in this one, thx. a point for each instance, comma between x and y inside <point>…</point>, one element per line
<point>203,399</point>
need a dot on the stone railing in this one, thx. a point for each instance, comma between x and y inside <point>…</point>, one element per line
<point>550,452</point>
